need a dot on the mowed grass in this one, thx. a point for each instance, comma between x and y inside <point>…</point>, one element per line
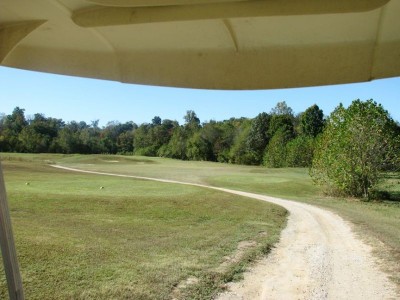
<point>377,222</point>
<point>133,239</point>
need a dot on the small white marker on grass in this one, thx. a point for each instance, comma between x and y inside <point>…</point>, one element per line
<point>102,187</point>
<point>27,183</point>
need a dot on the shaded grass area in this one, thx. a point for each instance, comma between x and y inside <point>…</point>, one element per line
<point>133,239</point>
<point>389,189</point>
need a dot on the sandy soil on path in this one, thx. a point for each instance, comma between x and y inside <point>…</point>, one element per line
<point>318,257</point>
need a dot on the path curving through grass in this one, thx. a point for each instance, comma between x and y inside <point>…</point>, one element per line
<point>318,257</point>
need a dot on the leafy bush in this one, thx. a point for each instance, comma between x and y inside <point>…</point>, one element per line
<point>357,144</point>
<point>300,151</point>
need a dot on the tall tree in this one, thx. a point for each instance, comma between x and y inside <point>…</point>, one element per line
<point>68,139</point>
<point>176,147</point>
<point>212,133</point>
<point>125,142</point>
<point>259,136</point>
<point>312,121</point>
<point>156,121</point>
<point>109,136</point>
<point>12,127</point>
<point>17,121</point>
<point>239,152</point>
<point>192,122</point>
<point>281,108</point>
<point>198,147</point>
<point>3,140</point>
<point>276,153</point>
<point>284,122</point>
<point>143,141</point>
<point>357,144</point>
<point>299,151</point>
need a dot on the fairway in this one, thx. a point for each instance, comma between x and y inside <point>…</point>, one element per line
<point>378,223</point>
<point>138,239</point>
<point>132,239</point>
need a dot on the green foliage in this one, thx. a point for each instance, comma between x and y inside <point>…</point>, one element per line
<point>12,126</point>
<point>156,121</point>
<point>283,122</point>
<point>300,151</point>
<point>142,137</point>
<point>33,141</point>
<point>312,121</point>
<point>281,108</point>
<point>149,138</point>
<point>240,153</point>
<point>229,130</point>
<point>125,142</point>
<point>275,154</point>
<point>281,131</point>
<point>357,144</point>
<point>258,137</point>
<point>115,137</point>
<point>192,122</point>
<point>198,148</point>
<point>276,139</point>
<point>176,147</point>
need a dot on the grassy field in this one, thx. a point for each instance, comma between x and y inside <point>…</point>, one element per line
<point>377,222</point>
<point>115,238</point>
<point>133,239</point>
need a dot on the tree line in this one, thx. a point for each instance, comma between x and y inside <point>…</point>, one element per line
<point>275,139</point>
<point>346,152</point>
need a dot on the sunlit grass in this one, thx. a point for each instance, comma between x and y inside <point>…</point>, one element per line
<point>133,239</point>
<point>377,221</point>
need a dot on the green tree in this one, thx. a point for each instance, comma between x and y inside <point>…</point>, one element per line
<point>357,144</point>
<point>176,147</point>
<point>284,122</point>
<point>299,151</point>
<point>312,121</point>
<point>143,141</point>
<point>212,133</point>
<point>156,121</point>
<point>3,140</point>
<point>68,139</point>
<point>40,135</point>
<point>111,133</point>
<point>12,127</point>
<point>125,142</point>
<point>32,141</point>
<point>198,147</point>
<point>192,122</point>
<point>258,136</point>
<point>281,131</point>
<point>281,108</point>
<point>89,140</point>
<point>275,154</point>
<point>239,152</point>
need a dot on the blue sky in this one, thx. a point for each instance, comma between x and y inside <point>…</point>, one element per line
<point>79,99</point>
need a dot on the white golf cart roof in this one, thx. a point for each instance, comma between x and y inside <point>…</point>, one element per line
<point>211,44</point>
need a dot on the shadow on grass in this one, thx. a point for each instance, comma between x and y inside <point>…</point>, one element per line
<point>389,189</point>
<point>394,196</point>
<point>382,195</point>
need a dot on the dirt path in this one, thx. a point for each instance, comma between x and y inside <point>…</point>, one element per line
<point>318,257</point>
